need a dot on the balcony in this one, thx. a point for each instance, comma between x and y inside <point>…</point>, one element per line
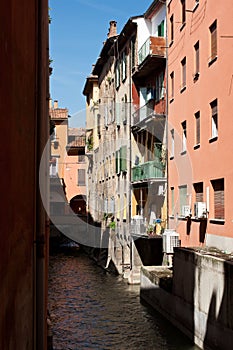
<point>143,112</point>
<point>142,117</point>
<point>148,170</point>
<point>151,56</point>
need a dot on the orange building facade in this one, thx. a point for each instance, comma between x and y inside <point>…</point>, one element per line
<point>200,99</point>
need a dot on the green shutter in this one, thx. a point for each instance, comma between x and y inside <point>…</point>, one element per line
<point>162,28</point>
<point>123,160</point>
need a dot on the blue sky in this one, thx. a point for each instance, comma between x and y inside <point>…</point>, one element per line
<point>77,32</point>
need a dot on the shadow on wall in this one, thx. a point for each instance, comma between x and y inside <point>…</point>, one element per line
<point>219,327</point>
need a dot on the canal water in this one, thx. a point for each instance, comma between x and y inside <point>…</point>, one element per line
<point>92,309</point>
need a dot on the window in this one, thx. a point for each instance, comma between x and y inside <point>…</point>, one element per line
<point>125,208</point>
<point>124,66</point>
<point>117,160</point>
<point>161,29</point>
<point>159,89</point>
<point>172,143</point>
<point>183,12</point>
<point>172,28</point>
<point>197,60</point>
<point>183,197</point>
<point>198,188</point>
<point>81,177</point>
<point>218,187</point>
<point>172,85</point>
<point>81,158</point>
<point>183,74</point>
<point>198,136</point>
<point>214,118</point>
<point>184,136</point>
<point>123,158</point>
<point>213,42</point>
<point>117,74</point>
<point>172,201</point>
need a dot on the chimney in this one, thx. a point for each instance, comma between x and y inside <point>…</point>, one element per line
<point>112,29</point>
<point>55,105</point>
<point>50,103</point>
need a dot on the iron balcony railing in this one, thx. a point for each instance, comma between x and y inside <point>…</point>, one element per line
<point>143,112</point>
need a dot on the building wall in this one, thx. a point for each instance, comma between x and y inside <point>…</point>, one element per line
<point>71,167</point>
<point>211,159</point>
<point>24,133</point>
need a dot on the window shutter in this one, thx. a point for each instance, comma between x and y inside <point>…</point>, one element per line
<point>213,31</point>
<point>81,177</point>
<point>123,160</point>
<point>218,186</point>
<point>198,136</point>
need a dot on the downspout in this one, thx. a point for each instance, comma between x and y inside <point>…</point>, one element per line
<point>166,114</point>
<point>130,154</point>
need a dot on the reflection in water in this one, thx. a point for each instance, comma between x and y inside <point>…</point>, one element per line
<point>92,309</point>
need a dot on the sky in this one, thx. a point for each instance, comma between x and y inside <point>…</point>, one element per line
<point>77,32</point>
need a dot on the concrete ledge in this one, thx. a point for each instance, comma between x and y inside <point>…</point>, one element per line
<point>196,297</point>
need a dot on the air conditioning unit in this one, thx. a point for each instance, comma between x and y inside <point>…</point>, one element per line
<point>185,210</point>
<point>200,209</point>
<point>170,241</point>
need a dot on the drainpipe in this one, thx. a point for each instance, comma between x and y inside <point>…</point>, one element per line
<point>130,155</point>
<point>166,114</point>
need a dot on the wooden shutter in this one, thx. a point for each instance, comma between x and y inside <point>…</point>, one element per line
<point>183,72</point>
<point>198,136</point>
<point>197,58</point>
<point>213,32</point>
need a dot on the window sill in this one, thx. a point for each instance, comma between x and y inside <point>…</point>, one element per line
<point>217,221</point>
<point>212,60</point>
<point>171,217</point>
<point>213,139</point>
<point>171,100</point>
<point>182,218</point>
<point>197,146</point>
<point>196,6</point>
<point>183,153</point>
<point>182,27</point>
<point>183,89</point>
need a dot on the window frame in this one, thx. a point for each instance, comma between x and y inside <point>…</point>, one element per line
<point>214,120</point>
<point>184,136</point>
<point>197,128</point>
<point>183,74</point>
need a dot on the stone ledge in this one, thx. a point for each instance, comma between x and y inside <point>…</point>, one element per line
<point>161,276</point>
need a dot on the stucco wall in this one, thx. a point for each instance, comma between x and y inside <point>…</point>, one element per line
<point>23,134</point>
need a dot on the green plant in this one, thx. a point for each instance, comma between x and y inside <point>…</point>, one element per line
<point>150,229</point>
<point>89,143</point>
<point>112,225</point>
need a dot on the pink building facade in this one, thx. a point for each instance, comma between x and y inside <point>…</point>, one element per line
<point>200,100</point>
